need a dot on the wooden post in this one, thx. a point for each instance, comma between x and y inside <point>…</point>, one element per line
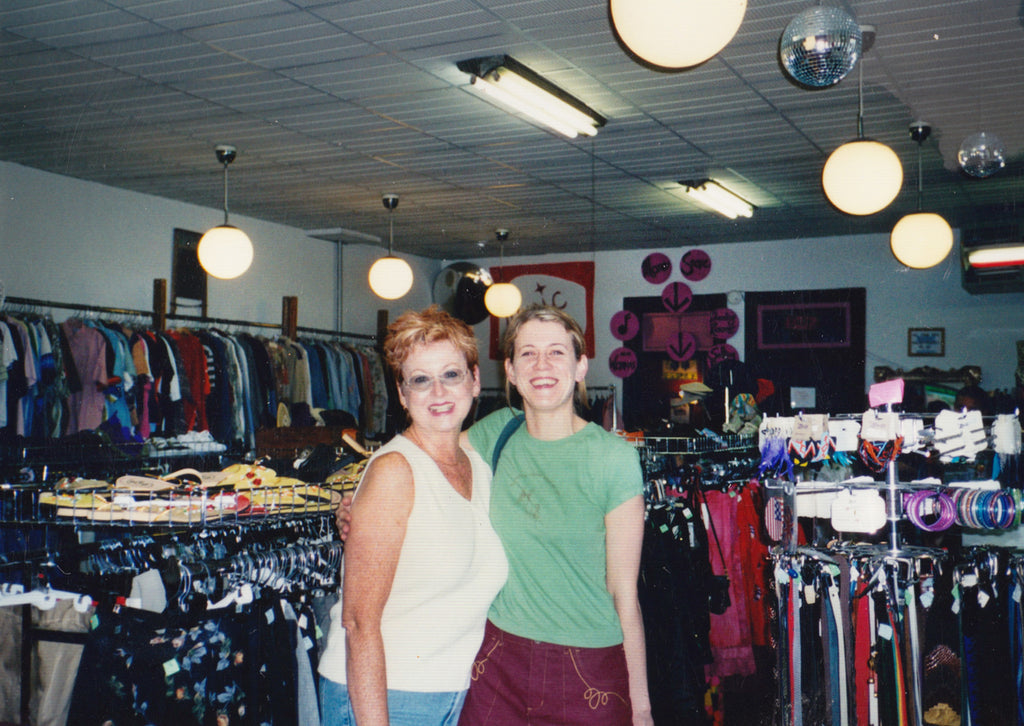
<point>382,326</point>
<point>160,304</point>
<point>289,316</point>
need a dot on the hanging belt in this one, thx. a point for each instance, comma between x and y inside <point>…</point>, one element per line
<point>899,685</point>
<point>913,636</point>
<point>796,670</point>
<point>846,614</point>
<point>874,719</point>
<point>837,613</point>
<point>863,674</point>
<point>827,628</point>
<point>782,644</point>
<point>1017,638</point>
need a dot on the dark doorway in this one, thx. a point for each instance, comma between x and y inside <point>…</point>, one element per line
<point>811,341</point>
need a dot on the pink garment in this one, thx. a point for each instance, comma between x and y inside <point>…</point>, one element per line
<point>745,624</point>
<point>144,428</point>
<point>86,408</point>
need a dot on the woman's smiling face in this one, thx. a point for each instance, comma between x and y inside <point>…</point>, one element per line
<point>544,367</point>
<point>446,400</point>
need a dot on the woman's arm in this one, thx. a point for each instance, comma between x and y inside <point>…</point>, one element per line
<point>623,542</point>
<point>374,543</point>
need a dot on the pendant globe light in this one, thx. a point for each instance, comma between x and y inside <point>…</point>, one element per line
<point>390,277</point>
<point>923,239</point>
<point>862,176</point>
<point>502,299</point>
<point>225,251</point>
<point>676,33</point>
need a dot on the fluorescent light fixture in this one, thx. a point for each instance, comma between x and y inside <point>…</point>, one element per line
<point>1008,255</point>
<point>522,90</point>
<point>717,198</point>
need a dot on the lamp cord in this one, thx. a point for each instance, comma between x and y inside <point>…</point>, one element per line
<point>860,98</point>
<point>920,186</point>
<point>225,194</point>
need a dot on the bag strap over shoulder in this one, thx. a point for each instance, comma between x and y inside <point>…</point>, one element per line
<point>506,433</point>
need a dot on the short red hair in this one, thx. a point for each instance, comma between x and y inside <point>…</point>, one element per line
<point>432,325</point>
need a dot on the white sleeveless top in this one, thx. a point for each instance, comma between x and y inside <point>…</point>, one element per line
<point>450,568</point>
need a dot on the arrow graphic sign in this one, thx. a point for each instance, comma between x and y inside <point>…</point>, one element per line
<point>676,297</point>
<point>682,346</point>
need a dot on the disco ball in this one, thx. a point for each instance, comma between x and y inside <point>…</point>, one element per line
<point>820,46</point>
<point>981,155</point>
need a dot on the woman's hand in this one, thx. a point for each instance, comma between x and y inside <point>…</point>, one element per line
<point>343,517</point>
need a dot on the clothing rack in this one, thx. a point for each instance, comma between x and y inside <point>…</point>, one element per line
<point>157,319</point>
<point>288,326</point>
<point>887,587</point>
<point>217,568</point>
<point>888,667</point>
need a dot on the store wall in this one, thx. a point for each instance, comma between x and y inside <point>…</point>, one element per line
<point>980,329</point>
<point>73,241</point>
<point>68,240</point>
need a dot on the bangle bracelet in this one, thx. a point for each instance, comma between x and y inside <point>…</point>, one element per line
<point>923,503</point>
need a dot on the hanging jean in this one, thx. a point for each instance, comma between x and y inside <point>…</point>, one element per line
<point>405,708</point>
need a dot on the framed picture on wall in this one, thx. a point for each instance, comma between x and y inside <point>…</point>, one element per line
<point>803,325</point>
<point>926,341</point>
<point>188,278</point>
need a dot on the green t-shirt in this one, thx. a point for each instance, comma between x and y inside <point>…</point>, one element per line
<point>548,503</point>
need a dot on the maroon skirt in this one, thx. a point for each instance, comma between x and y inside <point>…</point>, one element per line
<point>517,681</point>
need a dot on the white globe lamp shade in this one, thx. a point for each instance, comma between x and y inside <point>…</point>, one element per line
<point>390,277</point>
<point>921,240</point>
<point>225,252</point>
<point>676,33</point>
<point>862,177</point>
<point>502,299</point>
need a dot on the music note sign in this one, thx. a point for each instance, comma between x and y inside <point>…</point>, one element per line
<point>625,325</point>
<point>681,346</point>
<point>676,297</point>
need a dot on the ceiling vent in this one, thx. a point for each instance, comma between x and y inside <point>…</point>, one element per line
<point>992,259</point>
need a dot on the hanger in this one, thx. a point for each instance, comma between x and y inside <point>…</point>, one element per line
<point>43,598</point>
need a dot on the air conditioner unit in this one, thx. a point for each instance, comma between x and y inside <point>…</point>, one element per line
<point>992,260</point>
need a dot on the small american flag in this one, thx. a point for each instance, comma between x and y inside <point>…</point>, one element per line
<point>775,518</point>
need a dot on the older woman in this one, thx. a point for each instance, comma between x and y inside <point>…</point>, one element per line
<point>564,642</point>
<point>422,563</point>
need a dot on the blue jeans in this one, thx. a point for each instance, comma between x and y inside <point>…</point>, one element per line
<point>405,708</point>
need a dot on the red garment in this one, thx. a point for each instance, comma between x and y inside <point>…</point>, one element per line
<point>744,625</point>
<point>863,675</point>
<point>194,368</point>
